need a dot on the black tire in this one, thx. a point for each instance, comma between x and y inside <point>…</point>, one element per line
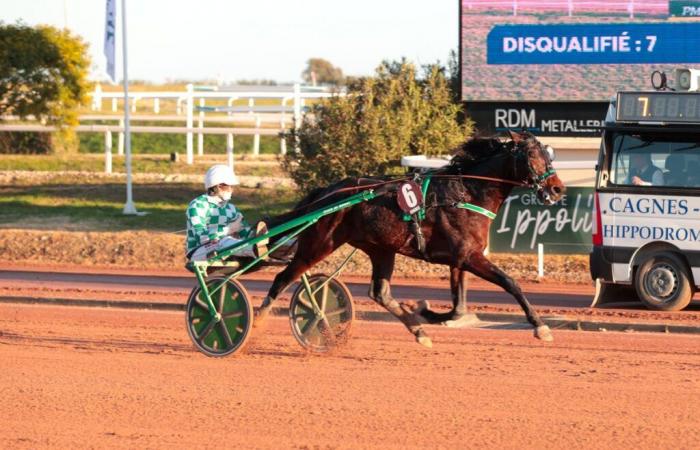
<point>231,333</point>
<point>663,283</point>
<point>316,333</point>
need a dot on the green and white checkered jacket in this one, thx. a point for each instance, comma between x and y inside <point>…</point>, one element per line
<point>207,221</point>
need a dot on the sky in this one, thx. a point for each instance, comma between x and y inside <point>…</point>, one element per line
<point>253,39</point>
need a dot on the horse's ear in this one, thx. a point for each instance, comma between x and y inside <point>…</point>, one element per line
<point>516,137</point>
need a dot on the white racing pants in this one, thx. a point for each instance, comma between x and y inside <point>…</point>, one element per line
<point>201,253</point>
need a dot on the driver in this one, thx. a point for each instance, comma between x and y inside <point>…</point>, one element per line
<point>213,223</point>
<point>643,172</point>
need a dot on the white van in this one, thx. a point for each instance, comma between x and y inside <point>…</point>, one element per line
<point>646,227</point>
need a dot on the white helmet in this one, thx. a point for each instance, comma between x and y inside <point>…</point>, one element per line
<point>219,174</point>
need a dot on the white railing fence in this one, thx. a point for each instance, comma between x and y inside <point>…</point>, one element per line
<point>296,94</point>
<point>185,101</point>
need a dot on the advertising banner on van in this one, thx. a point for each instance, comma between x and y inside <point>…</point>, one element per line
<point>594,43</point>
<point>523,222</point>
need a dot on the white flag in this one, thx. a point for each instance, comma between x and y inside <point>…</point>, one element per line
<point>110,28</point>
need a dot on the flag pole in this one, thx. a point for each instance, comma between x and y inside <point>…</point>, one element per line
<point>129,207</point>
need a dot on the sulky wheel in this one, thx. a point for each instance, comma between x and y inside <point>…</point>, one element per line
<point>322,322</point>
<point>230,329</point>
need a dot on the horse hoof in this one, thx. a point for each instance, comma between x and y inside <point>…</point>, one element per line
<point>260,315</point>
<point>462,321</point>
<point>421,306</point>
<point>425,341</point>
<point>544,333</point>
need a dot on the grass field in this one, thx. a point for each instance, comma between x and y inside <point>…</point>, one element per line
<point>82,203</point>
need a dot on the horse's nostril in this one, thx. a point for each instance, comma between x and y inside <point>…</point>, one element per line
<point>556,189</point>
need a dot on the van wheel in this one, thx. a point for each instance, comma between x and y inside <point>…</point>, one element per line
<point>662,282</point>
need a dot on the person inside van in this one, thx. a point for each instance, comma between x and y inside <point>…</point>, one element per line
<point>693,174</point>
<point>675,170</point>
<point>643,172</point>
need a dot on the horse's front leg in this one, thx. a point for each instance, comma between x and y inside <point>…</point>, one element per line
<point>480,266</point>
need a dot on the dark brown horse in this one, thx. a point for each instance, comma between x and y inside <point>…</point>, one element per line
<point>483,171</point>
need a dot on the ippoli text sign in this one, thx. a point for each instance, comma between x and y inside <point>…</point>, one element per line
<point>523,222</point>
<point>594,43</point>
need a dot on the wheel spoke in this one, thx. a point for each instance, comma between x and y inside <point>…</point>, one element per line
<point>303,315</point>
<point>337,312</point>
<point>324,297</point>
<point>309,325</point>
<point>206,331</point>
<point>304,303</point>
<point>327,325</point>
<point>233,315</point>
<point>227,335</point>
<point>201,303</point>
<point>222,297</point>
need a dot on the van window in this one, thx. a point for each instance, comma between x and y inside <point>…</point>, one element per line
<point>655,160</point>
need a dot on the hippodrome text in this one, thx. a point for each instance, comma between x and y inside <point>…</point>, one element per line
<point>652,209</point>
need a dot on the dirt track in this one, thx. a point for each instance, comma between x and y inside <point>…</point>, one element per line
<point>93,377</point>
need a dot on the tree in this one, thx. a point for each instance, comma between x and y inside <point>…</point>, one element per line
<point>43,73</point>
<point>321,71</point>
<point>381,118</point>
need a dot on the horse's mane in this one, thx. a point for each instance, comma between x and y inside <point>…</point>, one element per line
<point>474,150</point>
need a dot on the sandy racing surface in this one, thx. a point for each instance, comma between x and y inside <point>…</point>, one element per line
<point>91,377</point>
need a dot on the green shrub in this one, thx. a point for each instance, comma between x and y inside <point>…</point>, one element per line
<point>25,143</point>
<point>43,73</point>
<point>382,118</point>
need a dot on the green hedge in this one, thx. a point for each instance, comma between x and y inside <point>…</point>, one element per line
<point>25,143</point>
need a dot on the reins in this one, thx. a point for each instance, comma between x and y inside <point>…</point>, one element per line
<point>536,180</point>
<point>479,177</point>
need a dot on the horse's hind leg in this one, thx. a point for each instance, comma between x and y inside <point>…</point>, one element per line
<point>305,258</point>
<point>380,291</point>
<point>458,317</point>
<point>482,267</point>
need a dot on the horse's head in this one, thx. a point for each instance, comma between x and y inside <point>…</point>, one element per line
<point>533,166</point>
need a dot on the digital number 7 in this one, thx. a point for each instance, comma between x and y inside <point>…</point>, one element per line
<point>645,103</point>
